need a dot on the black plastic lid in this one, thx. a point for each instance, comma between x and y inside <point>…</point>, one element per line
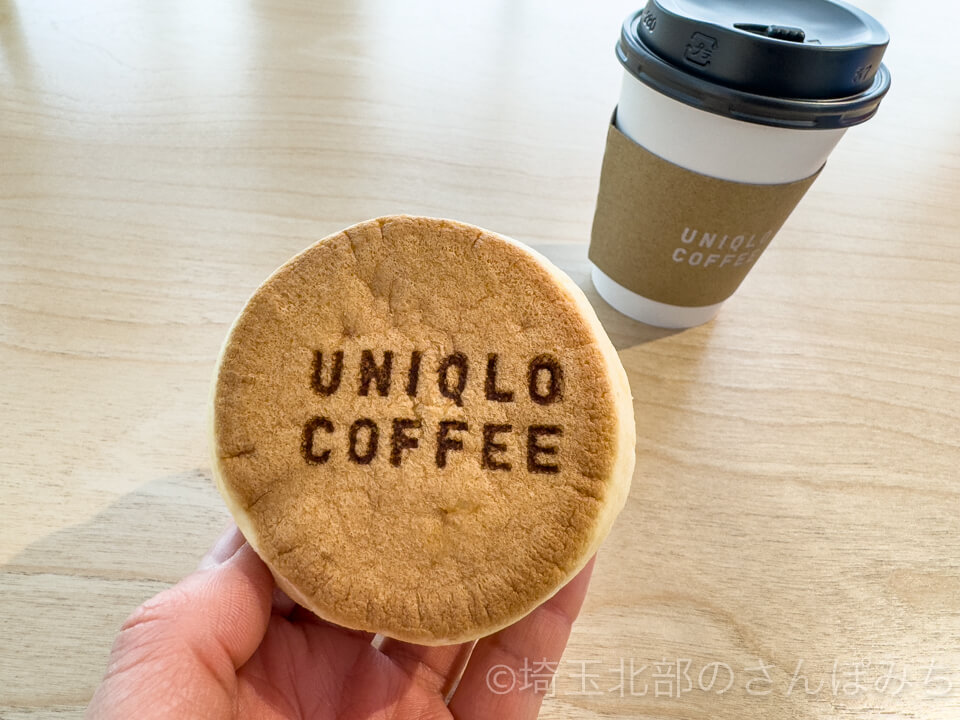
<point>789,63</point>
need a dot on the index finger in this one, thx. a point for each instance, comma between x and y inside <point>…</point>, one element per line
<point>491,685</point>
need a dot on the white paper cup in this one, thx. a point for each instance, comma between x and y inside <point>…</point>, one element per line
<point>742,103</point>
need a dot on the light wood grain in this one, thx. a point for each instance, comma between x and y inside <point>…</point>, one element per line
<point>796,499</point>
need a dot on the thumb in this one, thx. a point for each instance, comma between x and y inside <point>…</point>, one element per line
<point>203,628</point>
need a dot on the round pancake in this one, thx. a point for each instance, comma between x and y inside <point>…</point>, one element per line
<point>422,429</point>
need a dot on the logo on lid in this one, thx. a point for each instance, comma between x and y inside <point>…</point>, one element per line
<point>862,73</point>
<point>700,49</point>
<point>648,19</point>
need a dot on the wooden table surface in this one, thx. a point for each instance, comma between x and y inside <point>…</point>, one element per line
<point>791,545</point>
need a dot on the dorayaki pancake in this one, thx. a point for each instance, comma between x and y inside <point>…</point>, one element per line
<point>421,428</point>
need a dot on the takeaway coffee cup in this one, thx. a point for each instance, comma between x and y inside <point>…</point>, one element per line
<point>727,113</point>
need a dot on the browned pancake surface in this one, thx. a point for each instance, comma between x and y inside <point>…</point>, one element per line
<point>418,427</point>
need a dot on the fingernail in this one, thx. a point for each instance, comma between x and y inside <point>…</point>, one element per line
<point>224,548</point>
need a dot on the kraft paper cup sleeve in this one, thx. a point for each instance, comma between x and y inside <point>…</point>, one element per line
<point>676,236</point>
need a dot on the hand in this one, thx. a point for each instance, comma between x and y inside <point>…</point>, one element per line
<point>225,643</point>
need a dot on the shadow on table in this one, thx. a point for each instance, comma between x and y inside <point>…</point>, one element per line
<point>156,532</point>
<point>624,332</point>
<point>67,594</point>
<point>64,596</point>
